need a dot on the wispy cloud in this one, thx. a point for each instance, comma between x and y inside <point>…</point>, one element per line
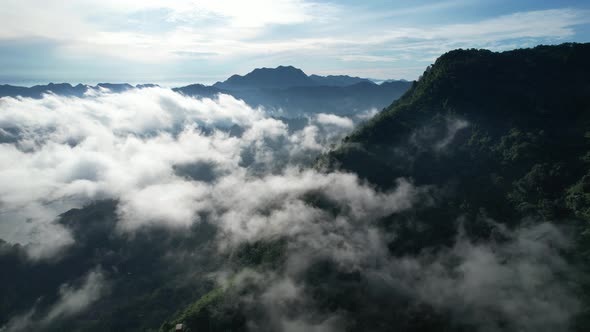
<point>224,33</point>
<point>72,300</point>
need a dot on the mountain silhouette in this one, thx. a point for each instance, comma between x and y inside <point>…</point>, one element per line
<point>291,92</point>
<point>285,90</point>
<point>276,78</point>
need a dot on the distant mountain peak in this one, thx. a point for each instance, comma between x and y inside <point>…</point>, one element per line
<point>280,77</point>
<point>283,77</point>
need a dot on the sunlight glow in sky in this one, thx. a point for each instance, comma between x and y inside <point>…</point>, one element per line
<point>182,41</point>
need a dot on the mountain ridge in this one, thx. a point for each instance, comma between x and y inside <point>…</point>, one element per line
<point>283,77</point>
<point>284,89</point>
<point>520,122</point>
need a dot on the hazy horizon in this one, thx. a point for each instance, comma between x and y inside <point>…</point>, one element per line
<point>170,83</point>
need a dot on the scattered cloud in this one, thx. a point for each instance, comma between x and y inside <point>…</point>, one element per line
<point>520,282</point>
<point>74,300</point>
<point>513,285</point>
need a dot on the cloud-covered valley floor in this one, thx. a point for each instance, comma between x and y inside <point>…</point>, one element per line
<point>170,192</point>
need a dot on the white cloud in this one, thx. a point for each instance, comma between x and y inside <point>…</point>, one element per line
<point>544,23</point>
<point>74,300</point>
<point>77,27</point>
<point>335,120</point>
<point>275,205</point>
<point>367,115</point>
<point>141,147</point>
<point>171,204</point>
<point>515,285</point>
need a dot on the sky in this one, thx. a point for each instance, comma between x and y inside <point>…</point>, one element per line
<point>176,42</point>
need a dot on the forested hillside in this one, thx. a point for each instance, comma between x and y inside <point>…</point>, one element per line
<point>501,141</point>
<point>508,131</point>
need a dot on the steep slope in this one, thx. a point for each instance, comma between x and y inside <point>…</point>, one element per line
<point>144,286</point>
<point>500,141</point>
<point>513,124</point>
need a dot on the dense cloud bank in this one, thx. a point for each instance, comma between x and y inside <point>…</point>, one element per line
<point>161,154</point>
<point>171,162</point>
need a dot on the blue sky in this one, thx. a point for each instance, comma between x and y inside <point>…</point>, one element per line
<point>174,42</point>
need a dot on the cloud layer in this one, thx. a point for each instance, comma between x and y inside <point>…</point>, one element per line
<point>166,157</point>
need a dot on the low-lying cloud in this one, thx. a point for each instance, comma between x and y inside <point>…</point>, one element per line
<point>62,152</point>
<point>519,283</point>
